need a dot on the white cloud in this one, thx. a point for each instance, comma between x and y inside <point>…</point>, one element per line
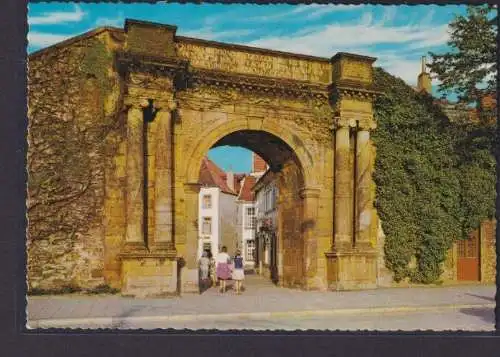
<point>57,17</point>
<point>207,33</point>
<point>366,19</point>
<point>312,11</point>
<point>388,15</point>
<point>40,39</point>
<point>320,10</point>
<point>325,41</point>
<point>117,21</point>
<point>403,60</point>
<point>427,20</point>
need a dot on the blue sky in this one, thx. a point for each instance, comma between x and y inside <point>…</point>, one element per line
<point>397,35</point>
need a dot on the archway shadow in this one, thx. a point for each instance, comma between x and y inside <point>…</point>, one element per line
<point>487,314</point>
<point>487,298</point>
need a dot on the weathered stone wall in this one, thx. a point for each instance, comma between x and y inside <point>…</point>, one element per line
<point>72,105</point>
<point>488,251</point>
<point>290,240</point>
<point>249,61</point>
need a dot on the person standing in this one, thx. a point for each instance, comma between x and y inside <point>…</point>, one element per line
<point>238,271</point>
<point>223,268</point>
<point>213,275</point>
<point>204,266</point>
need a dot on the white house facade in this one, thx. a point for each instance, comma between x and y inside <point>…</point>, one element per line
<point>266,193</point>
<point>217,207</point>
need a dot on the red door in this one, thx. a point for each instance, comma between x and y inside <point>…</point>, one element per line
<point>468,258</point>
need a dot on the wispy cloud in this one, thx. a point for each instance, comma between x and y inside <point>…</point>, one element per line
<point>208,33</point>
<point>57,17</point>
<point>332,38</point>
<point>116,21</point>
<point>388,15</point>
<point>40,39</point>
<point>364,37</point>
<point>309,12</point>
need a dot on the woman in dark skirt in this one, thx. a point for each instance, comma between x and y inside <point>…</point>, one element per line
<point>238,271</point>
<point>223,268</point>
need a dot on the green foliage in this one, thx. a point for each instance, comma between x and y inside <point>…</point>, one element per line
<point>470,68</point>
<point>435,180</point>
<point>96,64</point>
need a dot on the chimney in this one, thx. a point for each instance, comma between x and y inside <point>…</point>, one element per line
<point>230,179</point>
<point>258,164</point>
<point>424,79</point>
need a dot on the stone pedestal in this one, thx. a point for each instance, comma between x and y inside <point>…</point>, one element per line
<point>149,274</point>
<point>352,269</point>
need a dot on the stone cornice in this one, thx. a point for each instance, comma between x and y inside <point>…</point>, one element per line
<point>352,89</point>
<point>192,77</point>
<point>157,65</point>
<point>253,83</point>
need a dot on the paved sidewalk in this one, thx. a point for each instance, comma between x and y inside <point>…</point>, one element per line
<point>259,299</point>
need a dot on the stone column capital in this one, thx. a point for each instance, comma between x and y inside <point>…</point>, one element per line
<point>367,125</point>
<point>344,122</point>
<point>160,104</point>
<point>310,192</point>
<point>165,104</point>
<point>361,121</point>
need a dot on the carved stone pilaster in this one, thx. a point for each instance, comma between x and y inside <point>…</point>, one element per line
<point>310,196</point>
<point>363,194</point>
<point>135,184</point>
<point>343,188</point>
<point>163,200</point>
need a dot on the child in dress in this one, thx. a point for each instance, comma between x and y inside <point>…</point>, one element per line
<point>223,268</point>
<point>238,271</point>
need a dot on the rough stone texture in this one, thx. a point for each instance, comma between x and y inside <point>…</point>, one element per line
<point>488,251</point>
<point>289,220</point>
<point>71,115</point>
<point>149,276</point>
<point>450,265</point>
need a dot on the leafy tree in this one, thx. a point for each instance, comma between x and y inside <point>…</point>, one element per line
<point>470,68</point>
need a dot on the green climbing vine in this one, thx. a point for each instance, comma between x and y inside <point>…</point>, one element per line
<point>435,179</point>
<point>96,63</point>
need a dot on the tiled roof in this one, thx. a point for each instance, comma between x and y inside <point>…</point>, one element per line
<point>213,176</point>
<point>258,163</point>
<point>246,193</point>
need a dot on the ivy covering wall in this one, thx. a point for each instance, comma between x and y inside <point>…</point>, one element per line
<point>435,179</point>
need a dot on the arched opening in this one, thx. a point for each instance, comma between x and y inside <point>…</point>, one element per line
<point>256,211</point>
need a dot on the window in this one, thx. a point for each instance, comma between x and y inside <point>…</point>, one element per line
<point>207,246</point>
<point>269,200</point>
<point>206,227</point>
<point>207,201</point>
<point>250,219</point>
<point>250,251</point>
<point>273,197</point>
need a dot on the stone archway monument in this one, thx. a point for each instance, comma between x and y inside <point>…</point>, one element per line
<point>309,117</point>
<point>204,91</point>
